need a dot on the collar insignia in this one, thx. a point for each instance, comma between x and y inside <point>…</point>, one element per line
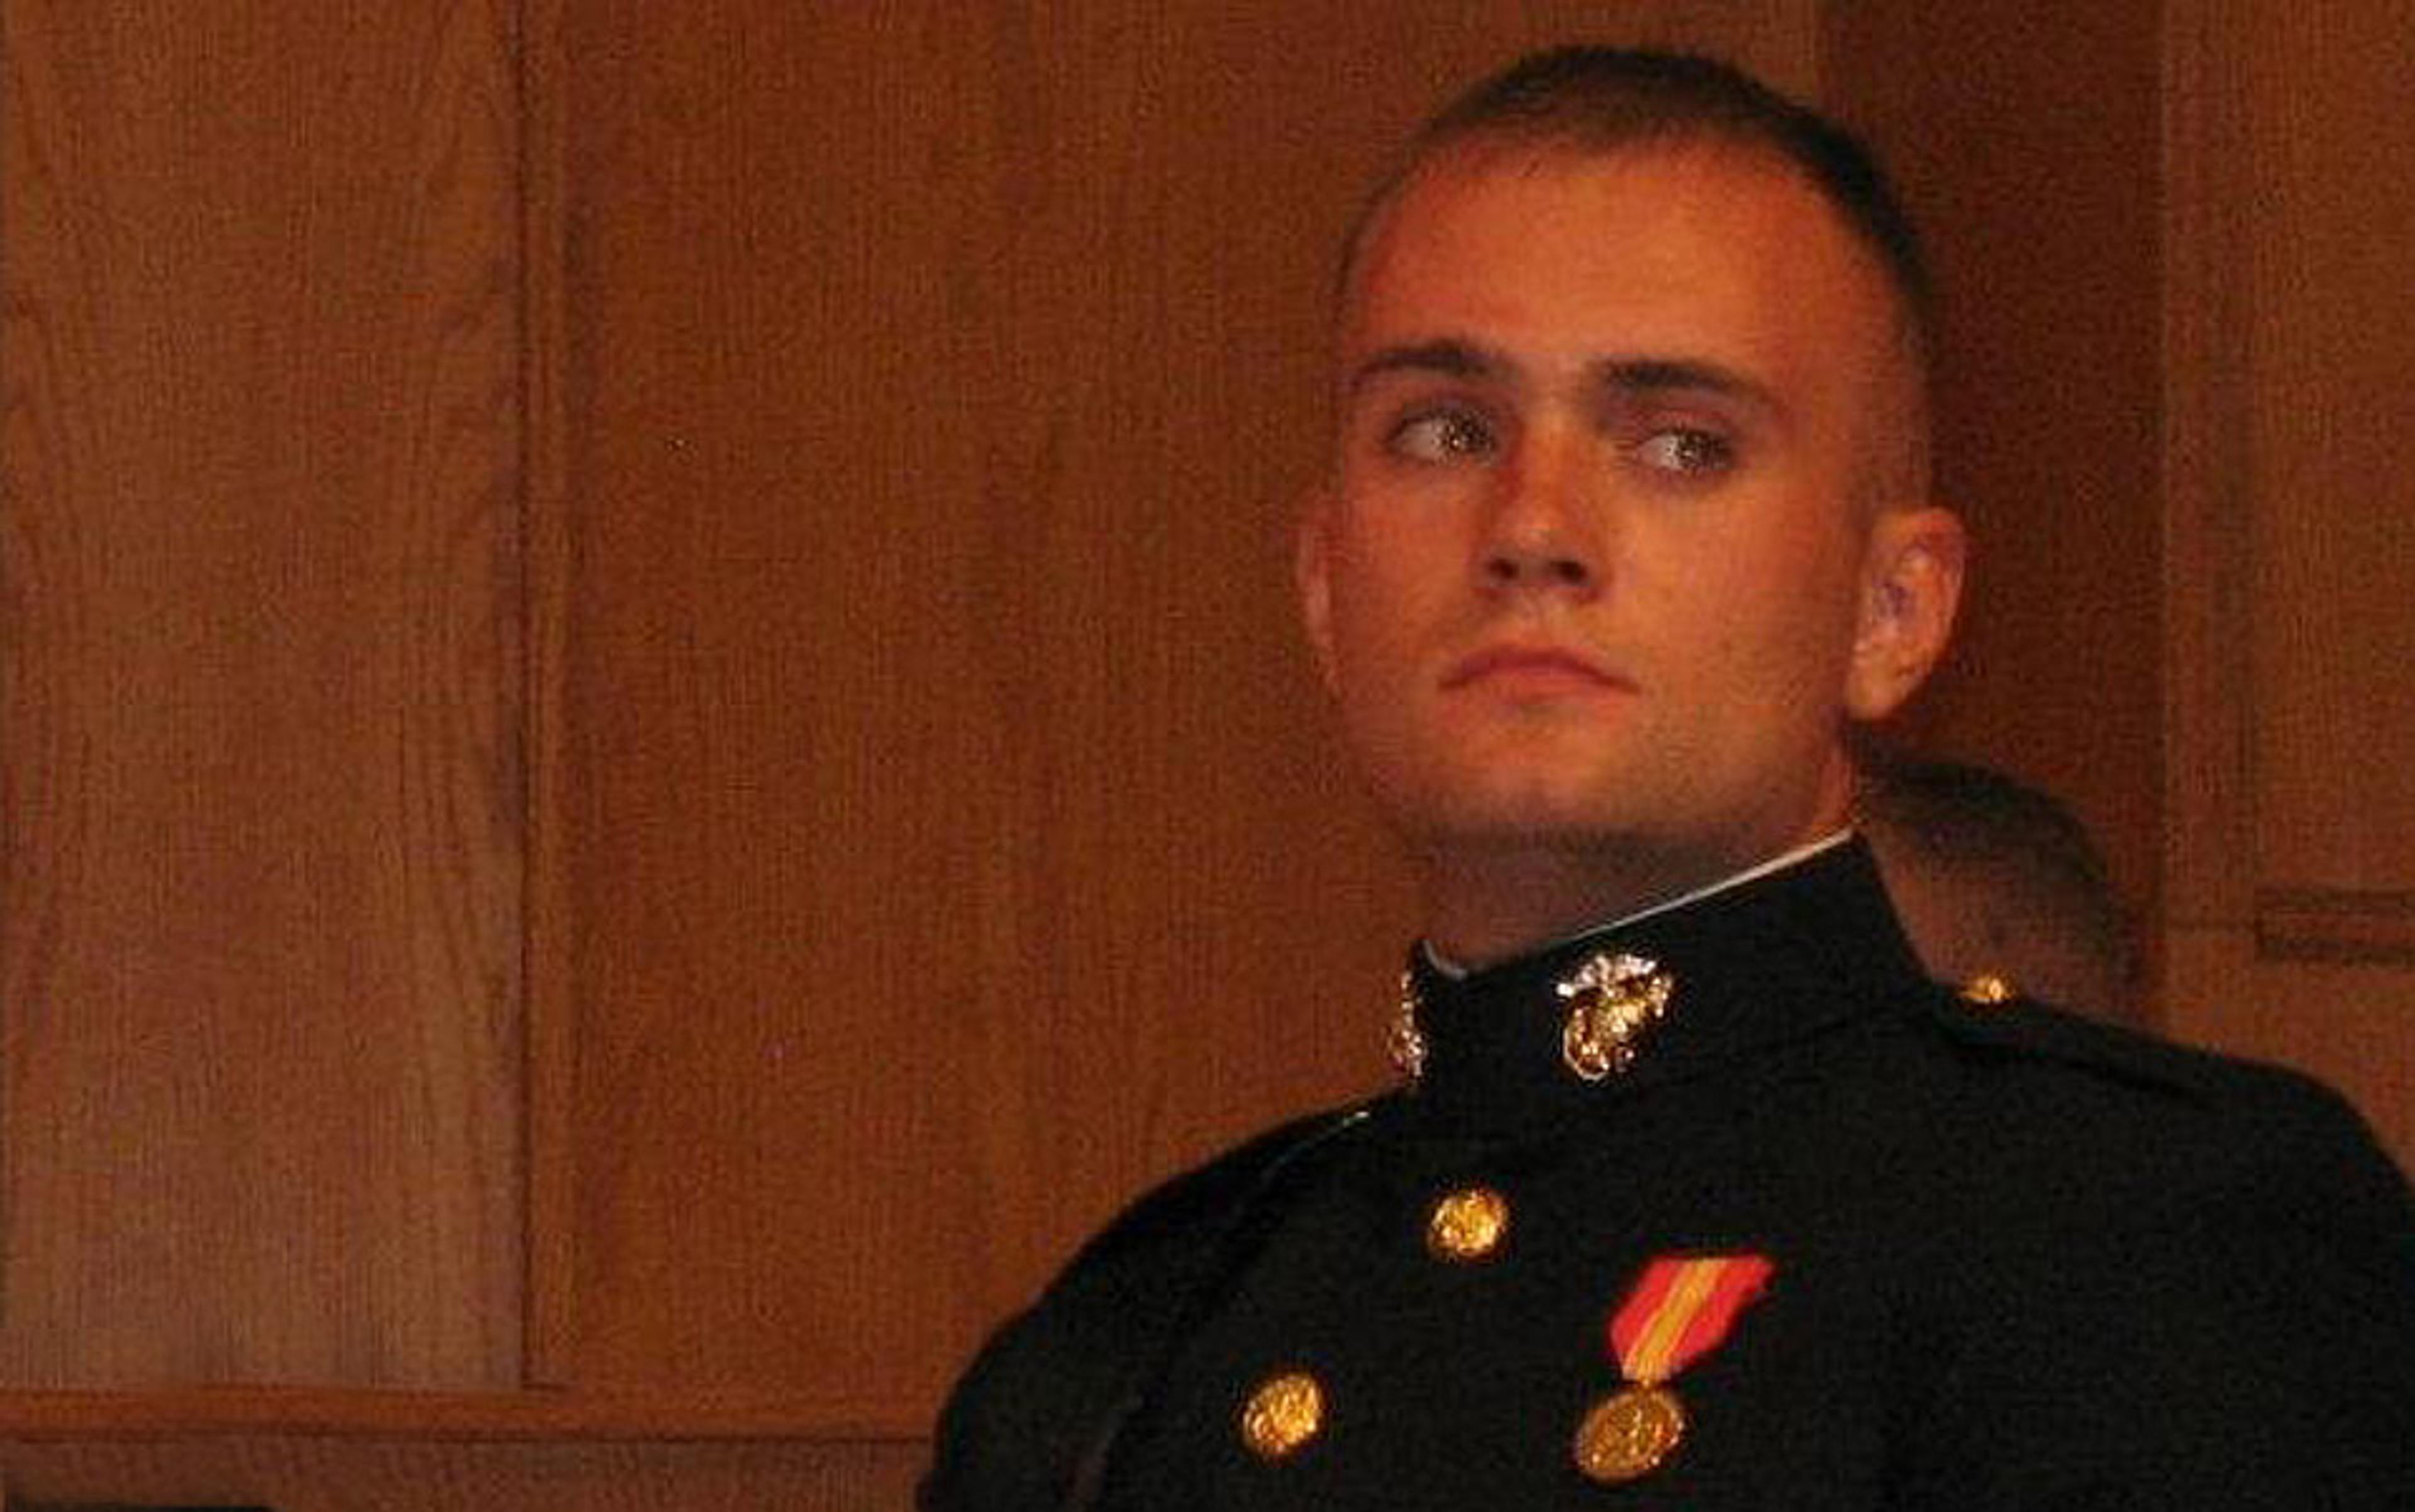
<point>1613,1002</point>
<point>1407,1041</point>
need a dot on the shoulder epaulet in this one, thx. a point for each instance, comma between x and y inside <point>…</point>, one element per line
<point>1991,1015</point>
<point>2157,1121</point>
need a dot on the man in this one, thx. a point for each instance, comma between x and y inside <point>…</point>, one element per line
<point>1696,1191</point>
<point>1998,885</point>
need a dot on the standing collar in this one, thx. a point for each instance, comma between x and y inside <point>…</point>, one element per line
<point>1758,961</point>
<point>1457,971</point>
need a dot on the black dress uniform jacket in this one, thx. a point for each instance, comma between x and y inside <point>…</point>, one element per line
<point>2017,1261</point>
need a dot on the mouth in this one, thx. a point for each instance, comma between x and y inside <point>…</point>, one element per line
<point>1534,670</point>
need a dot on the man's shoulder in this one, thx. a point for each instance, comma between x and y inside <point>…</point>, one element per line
<point>1026,1418</point>
<point>2111,1223</point>
<point>2053,1096</point>
<point>2019,1045</point>
<point>1165,1243</point>
<point>1194,1206</point>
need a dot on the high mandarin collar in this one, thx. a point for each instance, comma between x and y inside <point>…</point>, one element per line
<point>1750,967</point>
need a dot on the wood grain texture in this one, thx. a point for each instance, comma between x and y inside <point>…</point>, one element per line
<point>549,1014</point>
<point>260,922</point>
<point>2343,1022</point>
<point>2324,924</point>
<point>952,844</point>
<point>2291,224</point>
<point>2209,396</point>
<point>2025,141</point>
<point>2292,840</point>
<point>207,1411</point>
<point>320,1475</point>
<point>2329,201</point>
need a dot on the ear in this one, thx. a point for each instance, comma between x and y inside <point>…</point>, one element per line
<point>1312,575</point>
<point>1912,584</point>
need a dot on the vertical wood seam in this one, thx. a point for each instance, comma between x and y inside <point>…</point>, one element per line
<point>2210,859</point>
<point>549,1320</point>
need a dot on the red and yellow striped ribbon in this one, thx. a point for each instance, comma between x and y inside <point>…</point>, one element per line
<point>1681,1307</point>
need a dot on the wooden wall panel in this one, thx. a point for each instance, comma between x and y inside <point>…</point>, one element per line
<point>951,842</point>
<point>259,916</point>
<point>2342,1020</point>
<point>2331,341</point>
<point>2026,141</point>
<point>319,1475</point>
<point>2293,852</point>
<point>2208,390</point>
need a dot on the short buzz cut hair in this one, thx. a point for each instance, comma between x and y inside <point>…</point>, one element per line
<point>1599,101</point>
<point>1595,99</point>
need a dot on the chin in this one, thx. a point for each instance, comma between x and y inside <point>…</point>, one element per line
<point>1500,816</point>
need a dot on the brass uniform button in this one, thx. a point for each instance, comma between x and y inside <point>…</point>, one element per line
<point>1283,1415</point>
<point>1988,990</point>
<point>1467,1224</point>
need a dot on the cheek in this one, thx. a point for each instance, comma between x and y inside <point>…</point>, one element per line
<point>1787,627</point>
<point>1385,605</point>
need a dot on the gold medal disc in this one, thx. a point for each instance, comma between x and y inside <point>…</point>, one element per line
<point>1629,1434</point>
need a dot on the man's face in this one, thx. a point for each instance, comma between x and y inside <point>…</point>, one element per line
<point>1596,566</point>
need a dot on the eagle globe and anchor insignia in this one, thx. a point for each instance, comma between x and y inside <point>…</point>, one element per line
<point>1613,1002</point>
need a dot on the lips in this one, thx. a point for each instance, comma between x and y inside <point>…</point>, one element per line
<point>1540,667</point>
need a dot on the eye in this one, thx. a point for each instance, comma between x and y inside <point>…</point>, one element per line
<point>1441,436</point>
<point>1687,450</point>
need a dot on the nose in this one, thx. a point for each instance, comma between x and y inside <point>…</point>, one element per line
<point>1542,535</point>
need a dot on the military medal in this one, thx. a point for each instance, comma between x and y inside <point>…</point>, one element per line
<point>1625,1435</point>
<point>1680,1308</point>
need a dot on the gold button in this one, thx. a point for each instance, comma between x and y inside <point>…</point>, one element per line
<point>1467,1224</point>
<point>1989,991</point>
<point>1283,1413</point>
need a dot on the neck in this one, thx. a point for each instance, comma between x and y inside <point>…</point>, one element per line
<point>1492,896</point>
<point>1486,907</point>
<point>1480,913</point>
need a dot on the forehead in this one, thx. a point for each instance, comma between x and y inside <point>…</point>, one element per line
<point>1703,251</point>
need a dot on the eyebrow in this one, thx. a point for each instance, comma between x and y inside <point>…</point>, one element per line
<point>1630,375</point>
<point>1448,358</point>
<point>1667,374</point>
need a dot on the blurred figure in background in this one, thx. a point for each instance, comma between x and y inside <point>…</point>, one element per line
<point>1995,879</point>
